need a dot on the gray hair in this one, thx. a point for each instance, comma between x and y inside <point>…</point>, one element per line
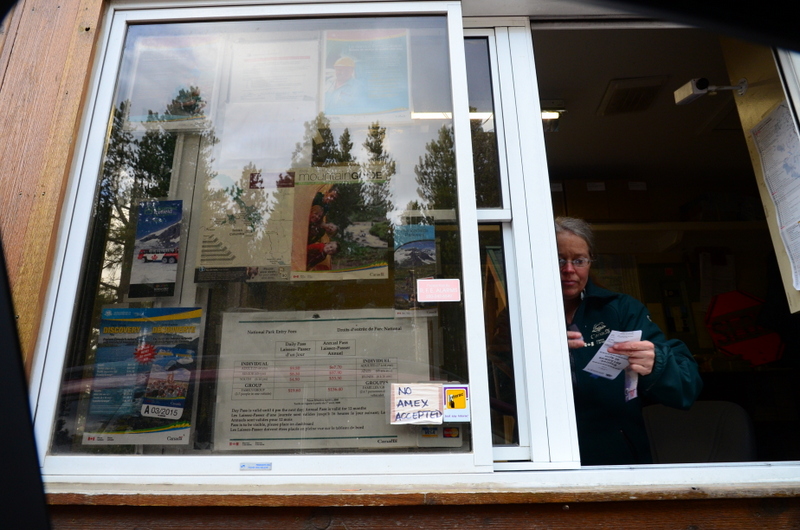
<point>578,227</point>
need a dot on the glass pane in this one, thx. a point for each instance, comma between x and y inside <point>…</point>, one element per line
<point>488,193</point>
<point>502,400</point>
<point>272,193</point>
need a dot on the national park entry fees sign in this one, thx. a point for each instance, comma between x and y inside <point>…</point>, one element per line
<point>290,380</point>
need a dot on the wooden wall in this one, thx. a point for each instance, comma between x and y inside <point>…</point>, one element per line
<point>47,49</point>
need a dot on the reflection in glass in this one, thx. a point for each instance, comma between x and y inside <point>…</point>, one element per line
<point>498,336</point>
<point>485,159</point>
<point>266,204</point>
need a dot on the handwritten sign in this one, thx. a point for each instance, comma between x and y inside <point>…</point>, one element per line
<point>417,404</point>
<point>437,290</point>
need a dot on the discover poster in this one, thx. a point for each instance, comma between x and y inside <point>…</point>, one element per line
<point>144,372</point>
<point>315,380</point>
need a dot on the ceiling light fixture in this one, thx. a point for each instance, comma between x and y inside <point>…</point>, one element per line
<point>552,109</point>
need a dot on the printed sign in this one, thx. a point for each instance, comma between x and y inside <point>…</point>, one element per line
<point>317,379</point>
<point>332,241</point>
<point>367,74</point>
<point>456,403</point>
<point>414,259</point>
<point>156,253</point>
<point>439,290</point>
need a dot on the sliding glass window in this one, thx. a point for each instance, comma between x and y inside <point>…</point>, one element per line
<point>273,263</point>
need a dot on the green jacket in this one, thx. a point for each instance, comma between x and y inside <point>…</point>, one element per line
<point>611,430</point>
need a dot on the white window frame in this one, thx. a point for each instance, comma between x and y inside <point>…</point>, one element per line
<point>546,375</point>
<point>517,121</point>
<point>502,216</point>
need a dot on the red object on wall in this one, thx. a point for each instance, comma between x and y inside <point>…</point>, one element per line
<point>732,320</point>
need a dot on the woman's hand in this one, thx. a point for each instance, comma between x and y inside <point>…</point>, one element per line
<point>641,355</point>
<point>575,340</point>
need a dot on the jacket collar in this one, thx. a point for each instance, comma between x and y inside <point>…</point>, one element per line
<point>593,291</point>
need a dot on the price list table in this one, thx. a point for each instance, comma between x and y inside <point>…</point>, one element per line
<point>312,377</point>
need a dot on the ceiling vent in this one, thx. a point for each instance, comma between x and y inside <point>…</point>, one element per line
<point>636,94</point>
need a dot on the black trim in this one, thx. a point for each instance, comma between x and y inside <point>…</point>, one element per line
<point>22,502</point>
<point>766,22</point>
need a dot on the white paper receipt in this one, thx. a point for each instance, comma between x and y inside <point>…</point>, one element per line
<point>609,365</point>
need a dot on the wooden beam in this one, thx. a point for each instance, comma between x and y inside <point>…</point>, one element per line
<point>48,59</point>
<point>729,514</point>
<point>369,495</point>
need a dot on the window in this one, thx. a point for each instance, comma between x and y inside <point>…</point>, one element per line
<point>273,264</point>
<point>678,219</point>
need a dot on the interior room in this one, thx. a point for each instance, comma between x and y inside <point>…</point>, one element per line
<point>672,195</point>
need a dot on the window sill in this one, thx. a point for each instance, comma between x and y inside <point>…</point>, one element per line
<point>330,495</point>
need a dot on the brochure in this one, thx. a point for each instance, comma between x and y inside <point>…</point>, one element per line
<point>156,252</point>
<point>414,259</point>
<point>144,373</point>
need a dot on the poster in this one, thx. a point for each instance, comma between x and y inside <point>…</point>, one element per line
<point>144,371</point>
<point>414,258</point>
<point>367,74</point>
<point>247,223</point>
<point>315,380</point>
<point>249,202</point>
<point>273,94</point>
<point>335,234</point>
<point>156,251</point>
<point>778,146</point>
<point>274,71</point>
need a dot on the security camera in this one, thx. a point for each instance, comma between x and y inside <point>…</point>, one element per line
<point>700,86</point>
<point>691,91</point>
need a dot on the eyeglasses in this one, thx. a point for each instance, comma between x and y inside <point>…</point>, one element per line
<point>577,263</point>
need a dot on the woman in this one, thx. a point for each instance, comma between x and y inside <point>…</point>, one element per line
<point>610,425</point>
